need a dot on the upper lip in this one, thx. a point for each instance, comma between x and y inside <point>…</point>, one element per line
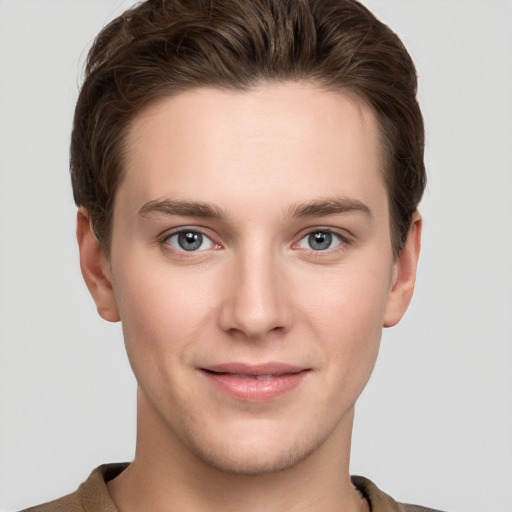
<point>272,368</point>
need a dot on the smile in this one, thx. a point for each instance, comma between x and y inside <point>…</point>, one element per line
<point>254,383</point>
<point>250,377</point>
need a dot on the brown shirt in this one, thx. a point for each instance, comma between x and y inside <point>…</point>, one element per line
<point>92,495</point>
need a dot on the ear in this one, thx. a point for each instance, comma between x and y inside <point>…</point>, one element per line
<point>95,268</point>
<point>404,274</point>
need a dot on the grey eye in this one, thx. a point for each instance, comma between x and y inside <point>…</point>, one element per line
<point>189,241</point>
<point>320,241</point>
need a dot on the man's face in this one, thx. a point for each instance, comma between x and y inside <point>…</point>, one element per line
<point>252,269</point>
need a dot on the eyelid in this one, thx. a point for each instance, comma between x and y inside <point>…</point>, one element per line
<point>164,237</point>
<point>345,239</point>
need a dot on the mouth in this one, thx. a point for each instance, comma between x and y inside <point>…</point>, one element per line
<point>254,383</point>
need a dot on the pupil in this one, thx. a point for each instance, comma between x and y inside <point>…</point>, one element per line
<point>190,241</point>
<point>320,241</point>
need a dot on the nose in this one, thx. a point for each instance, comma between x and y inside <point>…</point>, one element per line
<point>257,300</point>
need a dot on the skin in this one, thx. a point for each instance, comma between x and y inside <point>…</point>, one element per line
<point>256,291</point>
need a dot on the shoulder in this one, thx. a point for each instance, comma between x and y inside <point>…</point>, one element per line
<point>380,501</point>
<point>91,495</point>
<point>69,503</point>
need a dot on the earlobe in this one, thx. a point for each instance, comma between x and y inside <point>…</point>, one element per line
<point>404,274</point>
<point>95,269</point>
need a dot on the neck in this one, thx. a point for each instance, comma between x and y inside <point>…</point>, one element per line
<point>166,476</point>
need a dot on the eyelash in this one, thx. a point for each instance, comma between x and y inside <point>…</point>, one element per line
<point>343,242</point>
<point>166,245</point>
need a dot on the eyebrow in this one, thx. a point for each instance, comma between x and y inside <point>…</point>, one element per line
<point>317,208</point>
<point>330,206</point>
<point>182,208</point>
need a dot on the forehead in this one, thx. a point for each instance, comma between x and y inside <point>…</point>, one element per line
<point>282,140</point>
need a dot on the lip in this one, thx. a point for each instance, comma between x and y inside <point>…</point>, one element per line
<point>254,383</point>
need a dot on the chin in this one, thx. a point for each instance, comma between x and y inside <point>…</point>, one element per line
<point>255,455</point>
<point>254,462</point>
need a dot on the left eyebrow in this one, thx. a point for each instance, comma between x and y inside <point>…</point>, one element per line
<point>330,206</point>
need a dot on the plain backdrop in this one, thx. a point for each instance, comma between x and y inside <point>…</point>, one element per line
<point>434,425</point>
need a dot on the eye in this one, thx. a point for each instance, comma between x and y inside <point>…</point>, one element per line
<point>189,240</point>
<point>320,240</point>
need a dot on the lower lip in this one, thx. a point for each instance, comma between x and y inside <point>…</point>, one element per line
<point>255,390</point>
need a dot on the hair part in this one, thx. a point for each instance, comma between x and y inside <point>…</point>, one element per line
<point>161,47</point>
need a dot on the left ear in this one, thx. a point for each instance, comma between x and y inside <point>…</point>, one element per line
<point>404,274</point>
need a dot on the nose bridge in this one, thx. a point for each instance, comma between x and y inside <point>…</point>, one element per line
<point>257,303</point>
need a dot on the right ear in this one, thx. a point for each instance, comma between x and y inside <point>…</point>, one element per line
<point>95,268</point>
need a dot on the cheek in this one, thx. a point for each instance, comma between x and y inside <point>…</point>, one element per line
<point>348,316</point>
<point>350,299</point>
<point>161,313</point>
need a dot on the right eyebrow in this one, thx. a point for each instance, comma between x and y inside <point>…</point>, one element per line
<point>182,208</point>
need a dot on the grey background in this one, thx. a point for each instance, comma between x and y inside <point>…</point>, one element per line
<point>435,424</point>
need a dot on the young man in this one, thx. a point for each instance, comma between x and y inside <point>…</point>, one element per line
<point>247,176</point>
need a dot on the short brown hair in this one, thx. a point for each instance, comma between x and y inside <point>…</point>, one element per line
<point>161,47</point>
